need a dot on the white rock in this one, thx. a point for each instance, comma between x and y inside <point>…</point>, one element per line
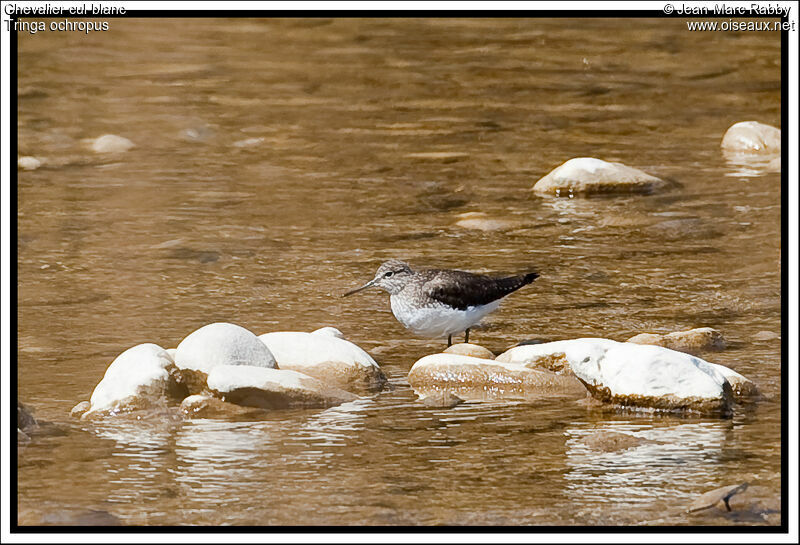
<point>111,143</point>
<point>133,380</point>
<point>218,344</point>
<point>329,331</point>
<point>273,388</point>
<point>752,137</point>
<point>171,352</point>
<point>470,349</point>
<point>28,163</point>
<point>587,175</point>
<point>744,390</point>
<point>326,356</point>
<point>637,375</point>
<point>477,379</point>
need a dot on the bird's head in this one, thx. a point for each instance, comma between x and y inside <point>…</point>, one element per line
<point>391,277</point>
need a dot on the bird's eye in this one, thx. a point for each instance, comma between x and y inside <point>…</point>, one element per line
<point>388,274</point>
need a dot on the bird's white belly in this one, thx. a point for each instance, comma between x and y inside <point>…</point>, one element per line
<point>439,320</point>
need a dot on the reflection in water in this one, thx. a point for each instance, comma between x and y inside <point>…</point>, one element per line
<point>749,165</point>
<point>334,426</point>
<point>685,452</point>
<point>279,163</point>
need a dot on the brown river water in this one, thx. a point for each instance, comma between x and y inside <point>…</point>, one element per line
<point>278,162</point>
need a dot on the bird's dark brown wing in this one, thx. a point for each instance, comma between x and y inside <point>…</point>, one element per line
<point>461,289</point>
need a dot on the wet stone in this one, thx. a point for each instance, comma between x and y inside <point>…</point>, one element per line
<point>273,388</point>
<point>693,341</point>
<point>613,441</point>
<point>682,228</point>
<point>28,163</point>
<point>25,419</point>
<point>79,517</point>
<point>110,143</point>
<point>714,497</point>
<point>764,336</point>
<point>469,349</point>
<point>479,221</point>
<point>206,406</point>
<point>476,379</point>
<point>79,409</point>
<point>588,175</point>
<point>752,137</point>
<point>441,400</point>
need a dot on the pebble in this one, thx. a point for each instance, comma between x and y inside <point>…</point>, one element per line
<point>28,163</point>
<point>111,143</point>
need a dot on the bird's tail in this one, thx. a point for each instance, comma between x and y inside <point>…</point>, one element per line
<point>513,283</point>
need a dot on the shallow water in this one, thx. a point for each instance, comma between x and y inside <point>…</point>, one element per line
<point>278,162</point>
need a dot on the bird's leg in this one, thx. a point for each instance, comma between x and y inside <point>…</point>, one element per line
<point>466,336</point>
<point>449,341</point>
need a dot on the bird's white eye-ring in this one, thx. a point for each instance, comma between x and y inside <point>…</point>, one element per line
<point>388,274</point>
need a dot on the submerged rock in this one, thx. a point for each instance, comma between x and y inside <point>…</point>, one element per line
<point>682,229</point>
<point>26,423</point>
<point>273,388</point>
<point>111,143</point>
<point>763,336</point>
<point>607,441</point>
<point>752,137</point>
<point>479,221</point>
<point>326,356</point>
<point>72,516</point>
<point>717,496</point>
<point>206,406</point>
<point>635,375</point>
<point>28,163</point>
<point>442,400</point>
<point>134,380</point>
<point>25,419</point>
<point>80,409</point>
<point>692,341</point>
<point>476,379</point>
<point>587,175</point>
<point>469,349</point>
<point>218,344</point>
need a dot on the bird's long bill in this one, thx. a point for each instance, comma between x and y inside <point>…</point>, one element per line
<point>365,286</point>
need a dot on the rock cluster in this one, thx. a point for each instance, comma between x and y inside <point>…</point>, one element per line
<point>643,376</point>
<point>630,375</point>
<point>325,355</point>
<point>223,369</point>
